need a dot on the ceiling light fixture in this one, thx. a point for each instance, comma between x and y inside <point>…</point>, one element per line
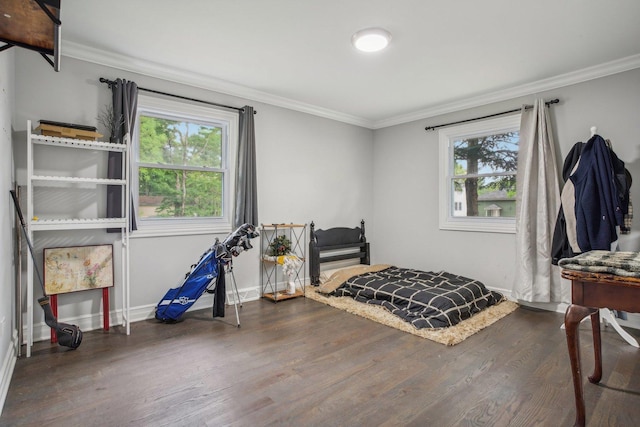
<point>371,39</point>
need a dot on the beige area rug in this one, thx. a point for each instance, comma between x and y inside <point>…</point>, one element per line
<point>447,336</point>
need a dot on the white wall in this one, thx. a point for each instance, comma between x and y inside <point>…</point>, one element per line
<point>405,200</point>
<point>7,271</point>
<point>309,168</point>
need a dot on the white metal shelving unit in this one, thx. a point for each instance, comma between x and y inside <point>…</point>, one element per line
<point>46,222</point>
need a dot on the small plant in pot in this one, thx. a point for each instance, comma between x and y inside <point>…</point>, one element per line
<point>280,245</point>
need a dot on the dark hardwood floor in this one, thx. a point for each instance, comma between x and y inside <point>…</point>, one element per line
<point>301,363</point>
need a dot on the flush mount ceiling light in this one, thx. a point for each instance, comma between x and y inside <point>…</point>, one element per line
<point>371,39</point>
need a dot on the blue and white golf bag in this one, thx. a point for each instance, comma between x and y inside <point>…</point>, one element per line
<point>206,275</point>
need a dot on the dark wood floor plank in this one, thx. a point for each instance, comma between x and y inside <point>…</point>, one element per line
<point>299,362</point>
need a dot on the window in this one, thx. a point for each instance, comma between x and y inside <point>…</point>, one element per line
<point>478,165</point>
<point>182,177</point>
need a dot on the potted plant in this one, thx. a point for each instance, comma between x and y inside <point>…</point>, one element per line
<point>280,245</point>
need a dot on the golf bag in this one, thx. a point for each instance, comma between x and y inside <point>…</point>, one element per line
<point>67,335</point>
<point>206,275</point>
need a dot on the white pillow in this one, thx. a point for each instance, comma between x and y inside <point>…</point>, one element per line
<point>326,274</point>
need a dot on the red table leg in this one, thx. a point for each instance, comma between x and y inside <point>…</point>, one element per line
<point>572,318</point>
<point>105,309</point>
<point>53,302</point>
<point>597,349</point>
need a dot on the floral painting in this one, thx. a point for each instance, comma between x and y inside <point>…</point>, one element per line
<point>77,268</point>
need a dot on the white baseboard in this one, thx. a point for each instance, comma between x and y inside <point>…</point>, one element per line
<point>90,322</point>
<point>558,307</point>
<point>633,319</point>
<point>8,365</point>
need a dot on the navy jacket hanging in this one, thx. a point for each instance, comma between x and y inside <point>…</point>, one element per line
<point>601,188</point>
<point>599,204</point>
<point>560,247</point>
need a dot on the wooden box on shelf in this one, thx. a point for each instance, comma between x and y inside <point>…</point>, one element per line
<point>63,130</point>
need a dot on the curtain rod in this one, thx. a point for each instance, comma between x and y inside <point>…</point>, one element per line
<point>112,82</point>
<point>526,107</point>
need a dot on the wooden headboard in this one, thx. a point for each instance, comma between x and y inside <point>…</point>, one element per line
<point>336,239</point>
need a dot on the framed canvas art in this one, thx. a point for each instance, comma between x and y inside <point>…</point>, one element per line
<point>77,268</point>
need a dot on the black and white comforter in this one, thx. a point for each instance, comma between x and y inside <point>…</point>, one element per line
<point>424,299</point>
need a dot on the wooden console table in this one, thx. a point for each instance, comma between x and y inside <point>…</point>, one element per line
<point>590,292</point>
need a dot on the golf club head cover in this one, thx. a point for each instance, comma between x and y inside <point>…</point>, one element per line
<point>68,335</point>
<point>238,241</point>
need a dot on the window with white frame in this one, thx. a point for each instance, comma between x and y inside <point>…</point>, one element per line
<point>478,166</point>
<point>183,167</point>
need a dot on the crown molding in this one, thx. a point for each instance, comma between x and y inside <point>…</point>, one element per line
<point>152,69</point>
<point>562,80</point>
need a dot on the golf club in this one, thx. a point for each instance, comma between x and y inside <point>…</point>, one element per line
<point>68,335</point>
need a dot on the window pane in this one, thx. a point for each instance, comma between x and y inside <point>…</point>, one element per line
<point>478,175</point>
<point>171,193</point>
<point>180,143</point>
<point>489,196</point>
<point>486,154</point>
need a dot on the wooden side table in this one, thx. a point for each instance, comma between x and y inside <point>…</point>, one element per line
<point>589,293</point>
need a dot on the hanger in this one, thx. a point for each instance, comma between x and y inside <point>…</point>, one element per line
<point>594,130</point>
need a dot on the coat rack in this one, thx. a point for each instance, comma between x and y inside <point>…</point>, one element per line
<point>605,314</point>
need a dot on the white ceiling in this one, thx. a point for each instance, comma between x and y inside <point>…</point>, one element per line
<point>444,55</point>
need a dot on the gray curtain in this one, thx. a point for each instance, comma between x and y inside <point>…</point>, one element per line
<point>246,206</point>
<point>537,204</point>
<point>125,103</point>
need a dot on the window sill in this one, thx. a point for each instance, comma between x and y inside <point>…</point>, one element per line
<point>144,232</point>
<point>507,226</point>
